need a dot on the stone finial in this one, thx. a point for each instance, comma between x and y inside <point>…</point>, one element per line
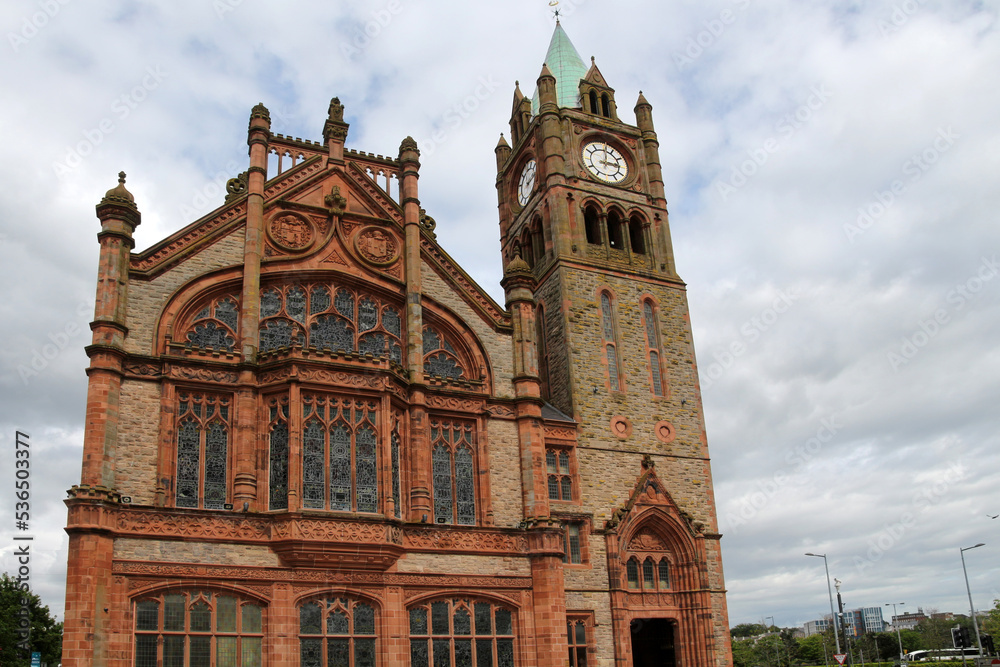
<point>335,201</point>
<point>336,112</point>
<point>408,144</point>
<point>517,265</point>
<point>502,143</point>
<point>647,462</point>
<point>260,111</point>
<point>427,223</point>
<point>119,193</point>
<point>642,102</point>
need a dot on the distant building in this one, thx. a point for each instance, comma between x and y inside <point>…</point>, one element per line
<point>816,627</point>
<point>869,620</point>
<point>908,620</point>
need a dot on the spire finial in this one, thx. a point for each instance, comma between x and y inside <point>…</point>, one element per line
<point>121,177</point>
<point>555,12</point>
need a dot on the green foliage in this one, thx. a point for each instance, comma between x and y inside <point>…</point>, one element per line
<point>991,624</point>
<point>747,630</point>
<point>46,634</point>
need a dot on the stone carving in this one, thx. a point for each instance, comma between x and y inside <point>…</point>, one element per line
<point>141,369</point>
<point>340,377</point>
<point>195,526</point>
<point>501,411</point>
<point>237,187</point>
<point>560,433</point>
<point>335,201</point>
<point>377,246</point>
<point>204,374</point>
<point>455,403</point>
<point>334,258</point>
<point>291,231</point>
<point>459,540</point>
<point>335,531</point>
<point>646,540</point>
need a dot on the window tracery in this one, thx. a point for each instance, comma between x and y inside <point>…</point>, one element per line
<point>277,410</point>
<point>453,470</point>
<point>344,432</point>
<point>203,429</point>
<point>195,628</point>
<point>345,627</point>
<point>440,357</point>
<point>327,316</point>
<point>461,632</point>
<point>560,479</point>
<point>214,327</point>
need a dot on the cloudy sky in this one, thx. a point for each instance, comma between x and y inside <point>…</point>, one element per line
<point>831,169</point>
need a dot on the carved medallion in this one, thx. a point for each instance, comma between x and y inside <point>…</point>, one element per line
<point>377,246</point>
<point>291,231</point>
<point>665,432</point>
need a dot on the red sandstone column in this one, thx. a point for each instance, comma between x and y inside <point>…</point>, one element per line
<point>548,595</point>
<point>86,627</point>
<point>419,443</point>
<point>283,628</point>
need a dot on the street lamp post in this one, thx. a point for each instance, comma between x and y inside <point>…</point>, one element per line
<point>972,608</point>
<point>833,614</point>
<point>895,621</point>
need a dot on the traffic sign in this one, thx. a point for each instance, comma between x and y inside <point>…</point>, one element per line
<point>841,657</point>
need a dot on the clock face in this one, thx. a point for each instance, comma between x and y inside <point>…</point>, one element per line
<point>527,183</point>
<point>605,162</point>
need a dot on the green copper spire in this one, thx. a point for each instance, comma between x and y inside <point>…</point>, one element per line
<point>568,68</point>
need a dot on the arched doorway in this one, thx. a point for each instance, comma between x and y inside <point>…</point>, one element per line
<point>652,642</point>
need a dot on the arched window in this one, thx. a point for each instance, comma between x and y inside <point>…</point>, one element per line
<point>336,632</point>
<point>609,331</point>
<point>592,224</point>
<point>594,108</point>
<point>214,327</point>
<point>632,572</point>
<point>528,252</point>
<point>203,429</point>
<point>653,351</point>
<point>278,445</point>
<point>648,573</point>
<point>196,628</point>
<point>461,633</point>
<point>543,351</point>
<point>453,469</point>
<point>440,357</point>
<point>663,574</point>
<point>605,106</point>
<point>636,235</point>
<point>395,454</point>
<point>560,480</point>
<point>615,239</point>
<point>339,453</point>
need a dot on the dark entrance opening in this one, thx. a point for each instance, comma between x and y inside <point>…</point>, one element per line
<point>652,642</point>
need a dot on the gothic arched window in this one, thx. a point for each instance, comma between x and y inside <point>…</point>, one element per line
<point>196,628</point>
<point>440,357</point>
<point>214,327</point>
<point>339,453</point>
<point>653,351</point>
<point>453,446</point>
<point>277,408</point>
<point>203,428</point>
<point>615,236</point>
<point>337,632</point>
<point>461,633</point>
<point>610,333</point>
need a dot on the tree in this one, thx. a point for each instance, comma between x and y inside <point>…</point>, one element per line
<point>747,630</point>
<point>46,634</point>
<point>991,624</point>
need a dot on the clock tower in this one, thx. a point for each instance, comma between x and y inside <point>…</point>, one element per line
<point>603,318</point>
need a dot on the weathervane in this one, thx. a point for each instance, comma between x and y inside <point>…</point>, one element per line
<point>555,12</point>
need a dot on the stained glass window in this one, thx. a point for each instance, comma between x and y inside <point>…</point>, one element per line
<point>653,347</point>
<point>452,641</point>
<point>214,327</point>
<point>664,574</point>
<point>453,472</point>
<point>648,578</point>
<point>202,451</point>
<point>395,453</point>
<point>632,572</point>
<point>340,444</point>
<point>349,628</point>
<point>278,477</point>
<point>195,626</point>
<point>327,317</point>
<point>440,358</point>
<point>610,341</point>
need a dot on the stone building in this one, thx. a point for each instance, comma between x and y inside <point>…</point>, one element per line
<point>313,440</point>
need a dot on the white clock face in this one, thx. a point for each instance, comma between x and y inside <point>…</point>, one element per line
<point>605,162</point>
<point>527,183</point>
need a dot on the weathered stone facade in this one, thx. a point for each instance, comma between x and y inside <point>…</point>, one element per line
<point>313,440</point>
